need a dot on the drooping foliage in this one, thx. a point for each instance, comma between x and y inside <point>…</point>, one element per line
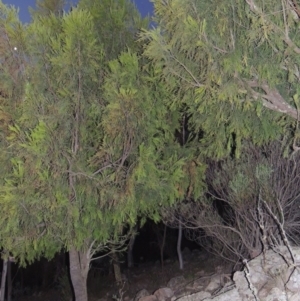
<point>89,153</point>
<point>95,134</point>
<point>140,130</point>
<point>12,78</point>
<point>117,24</point>
<point>233,64</point>
<point>50,136</point>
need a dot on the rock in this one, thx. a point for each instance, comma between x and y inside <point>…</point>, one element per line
<point>163,294</point>
<point>176,283</point>
<point>232,295</point>
<point>200,273</point>
<point>242,284</point>
<point>276,294</point>
<point>195,297</point>
<point>268,275</point>
<point>293,284</point>
<point>196,285</point>
<point>140,294</point>
<point>149,298</point>
<point>214,284</point>
<point>294,297</point>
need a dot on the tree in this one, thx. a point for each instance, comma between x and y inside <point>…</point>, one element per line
<point>233,67</point>
<point>12,79</point>
<point>87,156</point>
<point>234,64</point>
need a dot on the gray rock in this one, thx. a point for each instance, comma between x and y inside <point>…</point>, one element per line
<point>164,293</point>
<point>176,283</point>
<point>195,297</point>
<point>149,298</point>
<point>214,284</point>
<point>196,285</point>
<point>232,295</point>
<point>140,294</point>
<point>268,275</point>
<point>276,294</point>
<point>294,284</point>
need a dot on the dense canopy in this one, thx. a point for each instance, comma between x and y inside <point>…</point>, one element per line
<point>106,122</point>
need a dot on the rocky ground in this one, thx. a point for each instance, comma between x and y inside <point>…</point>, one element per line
<point>199,269</point>
<point>152,276</point>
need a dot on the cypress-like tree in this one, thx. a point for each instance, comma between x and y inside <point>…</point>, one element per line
<point>12,78</point>
<point>91,148</point>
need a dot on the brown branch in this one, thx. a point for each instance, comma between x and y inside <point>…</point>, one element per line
<point>272,99</point>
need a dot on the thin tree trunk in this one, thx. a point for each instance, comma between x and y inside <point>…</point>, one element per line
<point>79,267</point>
<point>9,281</point>
<point>162,247</point>
<point>179,245</point>
<point>3,280</point>
<point>130,262</point>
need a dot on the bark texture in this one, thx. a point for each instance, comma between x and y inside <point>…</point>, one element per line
<point>79,267</point>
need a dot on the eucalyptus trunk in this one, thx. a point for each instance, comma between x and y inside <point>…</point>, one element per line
<point>79,268</point>
<point>117,268</point>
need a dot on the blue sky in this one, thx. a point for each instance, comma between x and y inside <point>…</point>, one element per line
<point>144,6</point>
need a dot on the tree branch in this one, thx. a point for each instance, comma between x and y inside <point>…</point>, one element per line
<point>272,99</point>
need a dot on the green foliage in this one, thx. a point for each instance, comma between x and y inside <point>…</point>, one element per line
<point>232,65</point>
<point>117,24</point>
<point>91,145</point>
<point>140,139</point>
<point>12,51</point>
<point>53,134</point>
<point>47,7</point>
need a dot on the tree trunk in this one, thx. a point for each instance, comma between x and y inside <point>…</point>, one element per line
<point>117,268</point>
<point>79,268</point>
<point>130,262</point>
<point>179,245</point>
<point>9,280</point>
<point>3,280</point>
<point>162,247</point>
